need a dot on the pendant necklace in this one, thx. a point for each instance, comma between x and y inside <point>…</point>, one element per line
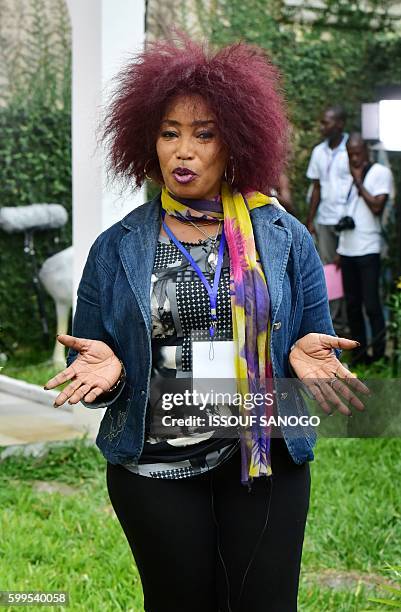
<point>213,254</point>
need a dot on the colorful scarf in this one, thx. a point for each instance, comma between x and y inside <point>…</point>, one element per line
<point>250,307</point>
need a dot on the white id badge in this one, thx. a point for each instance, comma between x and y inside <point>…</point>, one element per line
<point>213,369</point>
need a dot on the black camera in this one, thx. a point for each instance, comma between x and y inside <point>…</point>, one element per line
<point>345,223</point>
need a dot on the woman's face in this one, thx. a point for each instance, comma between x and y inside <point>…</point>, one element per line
<point>192,155</point>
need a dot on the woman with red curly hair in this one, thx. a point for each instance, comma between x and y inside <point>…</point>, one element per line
<point>209,282</point>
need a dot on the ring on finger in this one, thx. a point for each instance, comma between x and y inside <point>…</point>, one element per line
<point>332,381</point>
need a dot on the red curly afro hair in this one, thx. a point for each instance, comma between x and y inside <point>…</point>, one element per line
<point>241,88</point>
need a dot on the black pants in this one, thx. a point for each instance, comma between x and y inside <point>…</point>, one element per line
<point>201,544</point>
<point>361,277</point>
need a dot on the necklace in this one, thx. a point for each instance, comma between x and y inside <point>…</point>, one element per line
<point>213,253</point>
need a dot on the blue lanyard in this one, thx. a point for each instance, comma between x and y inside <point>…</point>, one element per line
<point>212,291</point>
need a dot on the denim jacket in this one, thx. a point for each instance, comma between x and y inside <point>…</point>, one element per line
<point>114,306</point>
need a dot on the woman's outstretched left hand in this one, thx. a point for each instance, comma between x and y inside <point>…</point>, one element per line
<point>315,363</point>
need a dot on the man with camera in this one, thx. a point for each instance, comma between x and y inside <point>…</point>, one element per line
<point>360,244</point>
<point>329,172</point>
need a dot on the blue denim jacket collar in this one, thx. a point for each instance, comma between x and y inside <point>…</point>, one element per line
<point>138,247</point>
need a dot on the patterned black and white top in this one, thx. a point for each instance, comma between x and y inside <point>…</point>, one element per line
<point>180,306</point>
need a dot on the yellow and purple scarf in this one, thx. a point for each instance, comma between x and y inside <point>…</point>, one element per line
<point>250,307</point>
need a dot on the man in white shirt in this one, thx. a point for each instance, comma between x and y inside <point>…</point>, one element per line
<point>360,246</point>
<point>329,170</point>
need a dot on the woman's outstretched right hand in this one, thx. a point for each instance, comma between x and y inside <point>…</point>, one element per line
<point>94,371</point>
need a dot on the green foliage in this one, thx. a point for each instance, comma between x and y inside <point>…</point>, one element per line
<point>35,150</point>
<point>395,326</point>
<point>35,166</point>
<point>338,57</point>
<point>35,54</point>
<point>35,155</point>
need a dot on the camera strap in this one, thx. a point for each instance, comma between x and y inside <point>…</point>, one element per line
<point>353,202</point>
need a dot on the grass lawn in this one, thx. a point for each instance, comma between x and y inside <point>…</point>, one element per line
<point>72,541</point>
<point>35,367</point>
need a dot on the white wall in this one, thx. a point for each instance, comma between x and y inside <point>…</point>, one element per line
<point>104,34</point>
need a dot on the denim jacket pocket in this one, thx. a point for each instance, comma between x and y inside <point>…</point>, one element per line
<point>114,420</point>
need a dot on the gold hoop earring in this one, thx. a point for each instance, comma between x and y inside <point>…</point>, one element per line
<point>233,173</point>
<point>145,171</point>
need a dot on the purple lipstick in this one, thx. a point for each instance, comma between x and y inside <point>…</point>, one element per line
<point>184,175</point>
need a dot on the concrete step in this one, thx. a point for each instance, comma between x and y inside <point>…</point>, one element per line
<point>26,421</point>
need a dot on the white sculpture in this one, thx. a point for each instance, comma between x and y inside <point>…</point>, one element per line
<point>56,275</point>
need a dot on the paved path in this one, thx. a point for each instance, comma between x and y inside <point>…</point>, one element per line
<point>24,421</point>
